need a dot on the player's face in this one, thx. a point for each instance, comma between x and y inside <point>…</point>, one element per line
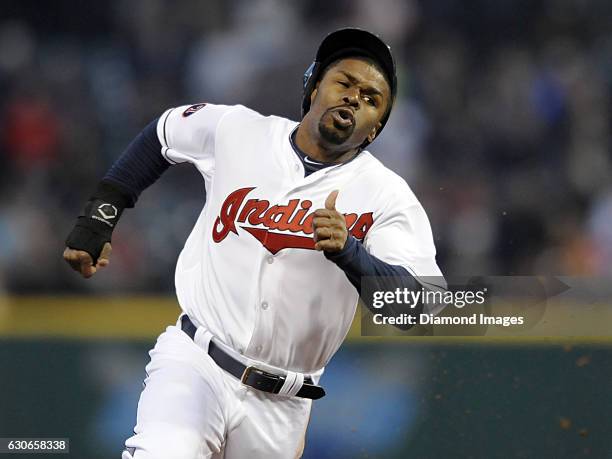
<point>349,102</point>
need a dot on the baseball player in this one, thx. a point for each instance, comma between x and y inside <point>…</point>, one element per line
<point>269,278</point>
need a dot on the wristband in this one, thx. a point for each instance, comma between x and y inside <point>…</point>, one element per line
<point>94,227</point>
<point>104,212</point>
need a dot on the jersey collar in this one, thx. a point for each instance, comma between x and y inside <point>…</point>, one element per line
<point>312,165</point>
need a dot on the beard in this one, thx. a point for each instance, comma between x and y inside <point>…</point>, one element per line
<point>333,134</point>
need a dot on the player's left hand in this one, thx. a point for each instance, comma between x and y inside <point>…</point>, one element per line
<point>329,226</point>
<point>82,262</point>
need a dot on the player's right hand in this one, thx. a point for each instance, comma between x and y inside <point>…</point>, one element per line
<point>81,261</point>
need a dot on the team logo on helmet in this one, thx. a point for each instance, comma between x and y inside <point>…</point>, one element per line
<point>277,227</point>
<point>194,108</point>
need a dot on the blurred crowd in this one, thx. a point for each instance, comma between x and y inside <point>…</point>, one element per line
<point>502,125</point>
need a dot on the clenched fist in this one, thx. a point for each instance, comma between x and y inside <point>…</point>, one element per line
<point>82,262</point>
<point>329,226</point>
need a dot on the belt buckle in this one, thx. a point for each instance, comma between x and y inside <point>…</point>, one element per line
<point>245,374</point>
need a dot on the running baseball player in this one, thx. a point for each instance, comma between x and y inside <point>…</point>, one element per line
<point>270,276</point>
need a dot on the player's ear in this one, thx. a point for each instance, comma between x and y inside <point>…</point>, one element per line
<point>373,132</point>
<point>313,94</point>
<point>315,91</point>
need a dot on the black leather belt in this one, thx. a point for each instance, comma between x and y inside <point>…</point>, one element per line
<point>252,376</point>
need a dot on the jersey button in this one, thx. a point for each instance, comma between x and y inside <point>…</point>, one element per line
<point>264,305</point>
<point>296,167</point>
<point>258,349</point>
<point>270,260</point>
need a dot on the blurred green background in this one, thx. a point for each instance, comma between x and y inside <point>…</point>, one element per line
<point>502,128</point>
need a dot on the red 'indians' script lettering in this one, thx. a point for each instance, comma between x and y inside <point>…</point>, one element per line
<point>293,217</point>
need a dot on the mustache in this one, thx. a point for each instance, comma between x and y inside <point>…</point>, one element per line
<point>344,106</point>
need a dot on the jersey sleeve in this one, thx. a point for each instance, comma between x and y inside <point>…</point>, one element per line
<point>188,134</point>
<point>401,235</point>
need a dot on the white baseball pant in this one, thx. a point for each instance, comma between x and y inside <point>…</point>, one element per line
<point>190,408</point>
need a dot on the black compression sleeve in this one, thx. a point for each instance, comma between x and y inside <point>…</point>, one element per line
<point>140,165</point>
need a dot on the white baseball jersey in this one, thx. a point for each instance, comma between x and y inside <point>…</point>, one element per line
<point>249,272</point>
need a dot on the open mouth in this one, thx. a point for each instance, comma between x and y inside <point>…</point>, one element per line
<point>343,117</point>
